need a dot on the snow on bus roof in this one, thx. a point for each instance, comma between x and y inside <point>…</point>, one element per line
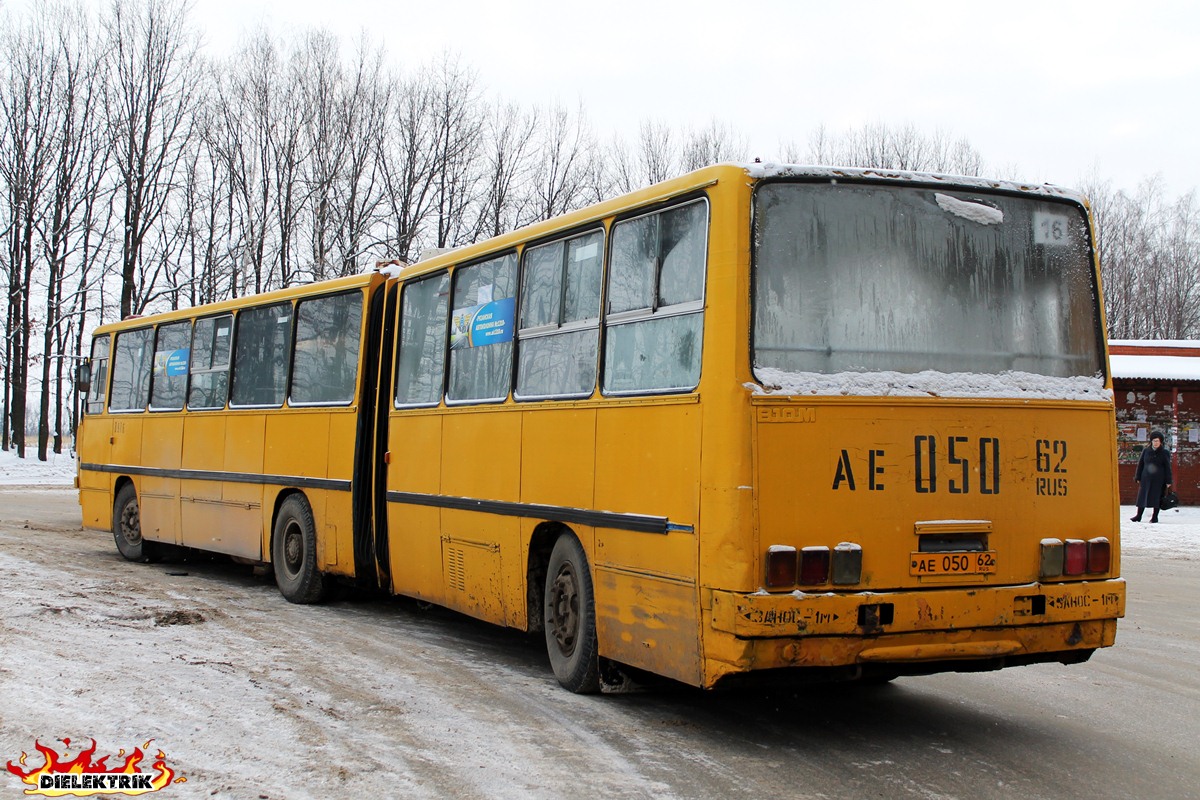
<point>1006,385</point>
<point>769,170</point>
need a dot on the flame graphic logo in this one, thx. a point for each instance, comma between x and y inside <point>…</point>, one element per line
<point>80,776</point>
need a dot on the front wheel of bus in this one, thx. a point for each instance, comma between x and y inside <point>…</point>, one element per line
<point>127,527</point>
<point>570,616</point>
<point>294,552</point>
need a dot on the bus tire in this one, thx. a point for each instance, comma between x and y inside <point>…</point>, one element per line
<point>570,618</point>
<point>127,527</point>
<point>294,552</point>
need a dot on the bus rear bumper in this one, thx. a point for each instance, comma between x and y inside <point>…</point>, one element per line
<point>1012,624</point>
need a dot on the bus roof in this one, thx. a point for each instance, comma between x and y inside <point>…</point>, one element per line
<point>320,287</point>
<point>707,176</point>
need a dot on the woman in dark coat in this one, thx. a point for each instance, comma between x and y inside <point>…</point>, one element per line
<point>1154,476</point>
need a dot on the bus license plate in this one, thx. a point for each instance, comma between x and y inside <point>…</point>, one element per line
<point>978,563</point>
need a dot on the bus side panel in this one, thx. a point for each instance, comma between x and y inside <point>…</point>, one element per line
<point>482,461</point>
<point>337,533</point>
<point>414,531</point>
<point>647,606</point>
<point>200,503</point>
<point>559,470</point>
<point>242,517</point>
<point>297,444</point>
<point>162,437</point>
<point>95,488</point>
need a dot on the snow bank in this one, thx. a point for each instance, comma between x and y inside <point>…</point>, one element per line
<point>58,470</point>
<point>1177,531</point>
<point>1006,385</point>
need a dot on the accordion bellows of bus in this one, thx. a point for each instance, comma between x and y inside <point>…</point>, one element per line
<point>757,422</point>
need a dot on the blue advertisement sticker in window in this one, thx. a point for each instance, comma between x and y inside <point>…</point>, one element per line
<point>177,362</point>
<point>484,324</point>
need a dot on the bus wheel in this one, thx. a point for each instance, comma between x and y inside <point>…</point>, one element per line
<point>127,527</point>
<point>294,552</point>
<point>570,616</point>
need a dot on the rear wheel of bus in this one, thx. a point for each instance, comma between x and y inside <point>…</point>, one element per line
<point>570,617</point>
<point>294,552</point>
<point>127,527</point>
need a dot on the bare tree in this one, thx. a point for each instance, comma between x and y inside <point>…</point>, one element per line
<point>562,170</point>
<point>712,145</point>
<point>74,101</point>
<point>458,128</point>
<point>905,148</point>
<point>364,109</point>
<point>408,165</point>
<point>506,154</point>
<point>151,94</point>
<point>32,66</point>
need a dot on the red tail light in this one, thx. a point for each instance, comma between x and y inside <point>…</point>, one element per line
<point>814,566</point>
<point>1076,560</point>
<point>781,566</point>
<point>1099,555</point>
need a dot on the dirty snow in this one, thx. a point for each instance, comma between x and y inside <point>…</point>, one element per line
<point>1006,385</point>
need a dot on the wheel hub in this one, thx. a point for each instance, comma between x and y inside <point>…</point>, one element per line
<point>131,524</point>
<point>564,610</point>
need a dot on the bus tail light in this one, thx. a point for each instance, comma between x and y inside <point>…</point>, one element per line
<point>1099,555</point>
<point>781,566</point>
<point>1052,558</point>
<point>814,566</point>
<point>847,563</point>
<point>1075,558</point>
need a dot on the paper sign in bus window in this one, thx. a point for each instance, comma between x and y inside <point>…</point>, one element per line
<point>484,324</point>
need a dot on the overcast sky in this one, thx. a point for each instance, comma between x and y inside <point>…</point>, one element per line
<point>1048,90</point>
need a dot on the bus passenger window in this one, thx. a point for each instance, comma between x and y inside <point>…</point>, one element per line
<point>421,362</point>
<point>560,318</point>
<point>655,318</point>
<point>210,363</point>
<point>482,318</point>
<point>170,367</point>
<point>131,370</point>
<point>325,367</point>
<point>260,360</point>
<point>95,397</point>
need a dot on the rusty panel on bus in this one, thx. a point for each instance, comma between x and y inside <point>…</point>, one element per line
<point>647,606</point>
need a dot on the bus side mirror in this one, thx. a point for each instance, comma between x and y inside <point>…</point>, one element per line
<point>83,377</point>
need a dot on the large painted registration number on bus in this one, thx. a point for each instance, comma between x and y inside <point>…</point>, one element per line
<point>980,563</point>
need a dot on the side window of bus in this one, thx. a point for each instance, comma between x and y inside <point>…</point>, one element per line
<point>420,364</point>
<point>211,340</point>
<point>560,318</point>
<point>171,348</point>
<point>325,366</point>
<point>95,397</point>
<point>655,316</point>
<point>483,312</point>
<point>131,370</point>
<point>260,358</point>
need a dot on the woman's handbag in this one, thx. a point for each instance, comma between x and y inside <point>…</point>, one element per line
<point>1169,500</point>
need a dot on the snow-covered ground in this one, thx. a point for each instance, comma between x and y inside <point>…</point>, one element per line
<point>57,470</point>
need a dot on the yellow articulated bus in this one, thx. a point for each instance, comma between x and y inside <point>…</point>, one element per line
<point>758,421</point>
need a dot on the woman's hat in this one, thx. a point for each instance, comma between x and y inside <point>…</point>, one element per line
<point>1157,435</point>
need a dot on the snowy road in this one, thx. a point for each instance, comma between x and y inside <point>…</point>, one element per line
<point>251,697</point>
